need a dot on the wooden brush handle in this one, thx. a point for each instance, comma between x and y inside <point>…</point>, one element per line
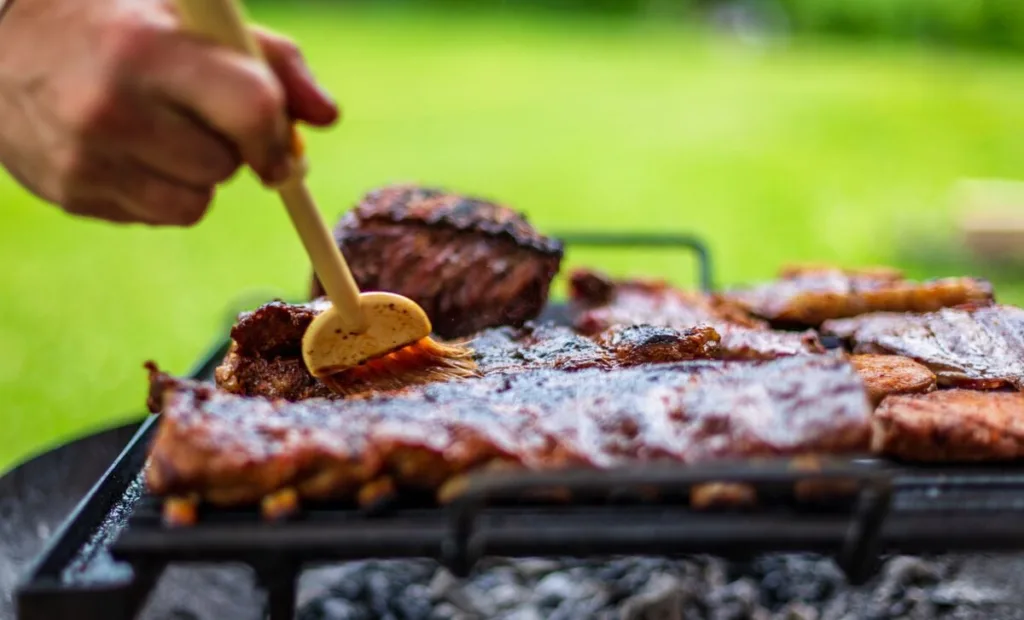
<point>219,20</point>
<point>223,21</point>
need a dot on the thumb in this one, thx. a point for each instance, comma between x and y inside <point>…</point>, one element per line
<point>307,100</point>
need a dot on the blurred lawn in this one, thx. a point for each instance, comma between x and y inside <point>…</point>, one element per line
<point>829,153</point>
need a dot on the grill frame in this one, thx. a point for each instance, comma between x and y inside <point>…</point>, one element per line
<point>905,508</point>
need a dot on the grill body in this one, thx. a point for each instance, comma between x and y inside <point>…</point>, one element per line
<point>113,547</point>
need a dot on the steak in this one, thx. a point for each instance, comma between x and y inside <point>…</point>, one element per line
<point>513,350</point>
<point>809,296</point>
<point>469,263</point>
<point>265,357</point>
<point>951,425</point>
<point>230,449</point>
<point>884,375</point>
<point>600,303</point>
<point>975,347</point>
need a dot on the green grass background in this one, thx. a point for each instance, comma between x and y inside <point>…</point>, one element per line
<point>812,151</point>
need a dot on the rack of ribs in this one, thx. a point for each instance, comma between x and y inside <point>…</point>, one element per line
<point>975,347</point>
<point>265,358</point>
<point>600,303</point>
<point>229,449</point>
<point>469,263</point>
<point>813,294</point>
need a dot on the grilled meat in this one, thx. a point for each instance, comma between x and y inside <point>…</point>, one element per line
<point>274,377</point>
<point>230,449</point>
<point>975,347</point>
<point>951,425</point>
<point>275,328</point>
<point>811,295</point>
<point>469,263</point>
<point>265,357</point>
<point>741,343</point>
<point>892,374</point>
<point>632,345</point>
<point>531,347</point>
<point>600,303</point>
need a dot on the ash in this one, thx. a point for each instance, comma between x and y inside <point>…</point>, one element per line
<point>791,587</point>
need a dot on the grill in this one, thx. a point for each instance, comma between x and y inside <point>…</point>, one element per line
<point>112,549</point>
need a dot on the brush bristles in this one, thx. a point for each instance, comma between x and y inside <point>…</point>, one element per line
<point>426,361</point>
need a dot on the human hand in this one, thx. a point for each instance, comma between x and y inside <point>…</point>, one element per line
<point>110,110</point>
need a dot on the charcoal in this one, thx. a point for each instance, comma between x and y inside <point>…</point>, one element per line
<point>661,599</point>
<point>414,603</point>
<point>506,596</point>
<point>984,612</point>
<point>351,587</point>
<point>737,600</point>
<point>475,600</point>
<point>447,611</point>
<point>796,610</point>
<point>338,609</point>
<point>554,588</point>
<point>442,584</point>
<point>379,589</point>
<point>899,574</point>
<point>537,567</point>
<point>982,581</point>
<point>527,612</point>
<point>775,587</point>
<point>807,578</point>
<point>495,577</point>
<point>614,570</point>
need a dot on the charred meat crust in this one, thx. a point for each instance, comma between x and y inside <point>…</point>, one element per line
<point>811,295</point>
<point>974,347</point>
<point>469,263</point>
<point>540,346</point>
<point>275,328</point>
<point>275,377</point>
<point>633,345</point>
<point>436,207</point>
<point>230,449</point>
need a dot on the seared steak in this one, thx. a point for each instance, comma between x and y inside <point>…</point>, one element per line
<point>892,374</point>
<point>811,295</point>
<point>951,425</point>
<point>600,303</point>
<point>969,347</point>
<point>469,263</point>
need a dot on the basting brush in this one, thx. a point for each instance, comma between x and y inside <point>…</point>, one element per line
<point>374,337</point>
